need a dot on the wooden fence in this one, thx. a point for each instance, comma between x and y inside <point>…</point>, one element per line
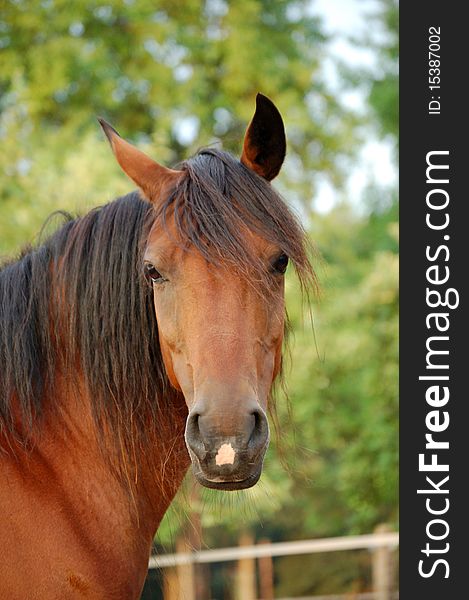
<point>180,583</point>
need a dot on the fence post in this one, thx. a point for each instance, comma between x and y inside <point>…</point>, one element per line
<point>382,568</point>
<point>266,575</point>
<point>246,580</point>
<point>185,573</point>
<point>170,584</point>
<point>201,572</point>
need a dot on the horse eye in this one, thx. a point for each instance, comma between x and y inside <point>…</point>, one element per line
<point>280,264</point>
<point>152,275</point>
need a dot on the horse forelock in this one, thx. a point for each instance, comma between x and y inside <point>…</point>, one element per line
<point>218,201</point>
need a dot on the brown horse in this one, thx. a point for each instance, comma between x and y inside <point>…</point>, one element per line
<point>102,405</point>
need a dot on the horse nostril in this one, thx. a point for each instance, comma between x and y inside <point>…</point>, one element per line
<point>193,423</point>
<point>260,428</point>
<point>194,437</point>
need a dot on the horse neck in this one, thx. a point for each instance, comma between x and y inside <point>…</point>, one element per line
<point>113,500</point>
<point>146,475</point>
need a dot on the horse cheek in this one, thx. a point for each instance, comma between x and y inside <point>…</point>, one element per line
<point>168,364</point>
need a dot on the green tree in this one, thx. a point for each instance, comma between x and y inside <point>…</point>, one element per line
<point>384,92</point>
<point>346,399</point>
<point>172,75</point>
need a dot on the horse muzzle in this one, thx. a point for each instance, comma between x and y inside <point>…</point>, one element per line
<point>227,451</point>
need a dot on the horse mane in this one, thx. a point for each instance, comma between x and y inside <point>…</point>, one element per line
<point>79,300</point>
<point>218,200</point>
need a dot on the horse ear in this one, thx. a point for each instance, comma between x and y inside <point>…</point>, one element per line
<point>152,178</point>
<point>264,143</point>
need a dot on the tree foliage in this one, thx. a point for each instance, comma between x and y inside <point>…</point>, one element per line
<point>172,75</point>
<point>384,93</point>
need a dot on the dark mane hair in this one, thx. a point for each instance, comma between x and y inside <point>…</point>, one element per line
<point>218,200</point>
<point>79,302</point>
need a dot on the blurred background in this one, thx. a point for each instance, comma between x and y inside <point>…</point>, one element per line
<point>175,75</point>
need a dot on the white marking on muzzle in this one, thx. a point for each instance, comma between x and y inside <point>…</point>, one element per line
<point>225,455</point>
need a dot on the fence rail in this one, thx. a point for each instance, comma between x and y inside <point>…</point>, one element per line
<point>255,579</point>
<point>349,596</point>
<point>356,542</point>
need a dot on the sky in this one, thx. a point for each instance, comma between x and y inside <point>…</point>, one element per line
<point>343,19</point>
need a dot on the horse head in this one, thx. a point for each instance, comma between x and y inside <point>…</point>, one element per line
<point>215,257</point>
